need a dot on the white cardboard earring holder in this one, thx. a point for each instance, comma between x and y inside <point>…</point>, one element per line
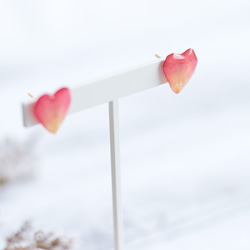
<point>108,90</point>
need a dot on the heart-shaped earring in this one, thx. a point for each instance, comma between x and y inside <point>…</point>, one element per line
<point>50,110</point>
<point>178,69</point>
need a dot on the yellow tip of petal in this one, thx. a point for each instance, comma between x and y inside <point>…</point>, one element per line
<point>177,87</point>
<point>54,124</point>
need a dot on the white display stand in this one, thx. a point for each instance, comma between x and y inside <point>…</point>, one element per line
<point>108,90</point>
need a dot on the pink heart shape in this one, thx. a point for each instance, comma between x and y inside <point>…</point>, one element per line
<point>178,69</point>
<point>50,110</point>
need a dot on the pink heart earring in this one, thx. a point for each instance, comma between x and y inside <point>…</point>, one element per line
<point>50,110</point>
<point>178,69</point>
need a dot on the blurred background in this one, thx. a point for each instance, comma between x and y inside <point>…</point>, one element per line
<point>185,158</point>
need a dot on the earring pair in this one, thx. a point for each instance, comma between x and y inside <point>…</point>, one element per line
<point>50,110</point>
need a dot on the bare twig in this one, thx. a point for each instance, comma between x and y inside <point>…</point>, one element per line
<point>27,239</point>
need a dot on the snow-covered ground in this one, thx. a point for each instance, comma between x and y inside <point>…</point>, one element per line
<point>185,158</point>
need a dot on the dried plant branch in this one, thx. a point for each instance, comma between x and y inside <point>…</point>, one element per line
<point>17,160</point>
<point>27,239</point>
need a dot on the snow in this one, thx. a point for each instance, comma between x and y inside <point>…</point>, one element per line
<point>185,158</point>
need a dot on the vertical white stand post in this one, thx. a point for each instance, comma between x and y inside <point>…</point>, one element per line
<point>116,175</point>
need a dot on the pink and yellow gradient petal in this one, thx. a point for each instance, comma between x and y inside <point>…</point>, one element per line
<point>178,69</point>
<point>50,110</point>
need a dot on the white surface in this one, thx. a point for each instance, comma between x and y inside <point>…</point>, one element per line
<point>116,175</point>
<point>192,148</point>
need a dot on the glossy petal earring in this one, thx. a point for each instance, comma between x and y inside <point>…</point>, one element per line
<point>178,69</point>
<point>50,110</point>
